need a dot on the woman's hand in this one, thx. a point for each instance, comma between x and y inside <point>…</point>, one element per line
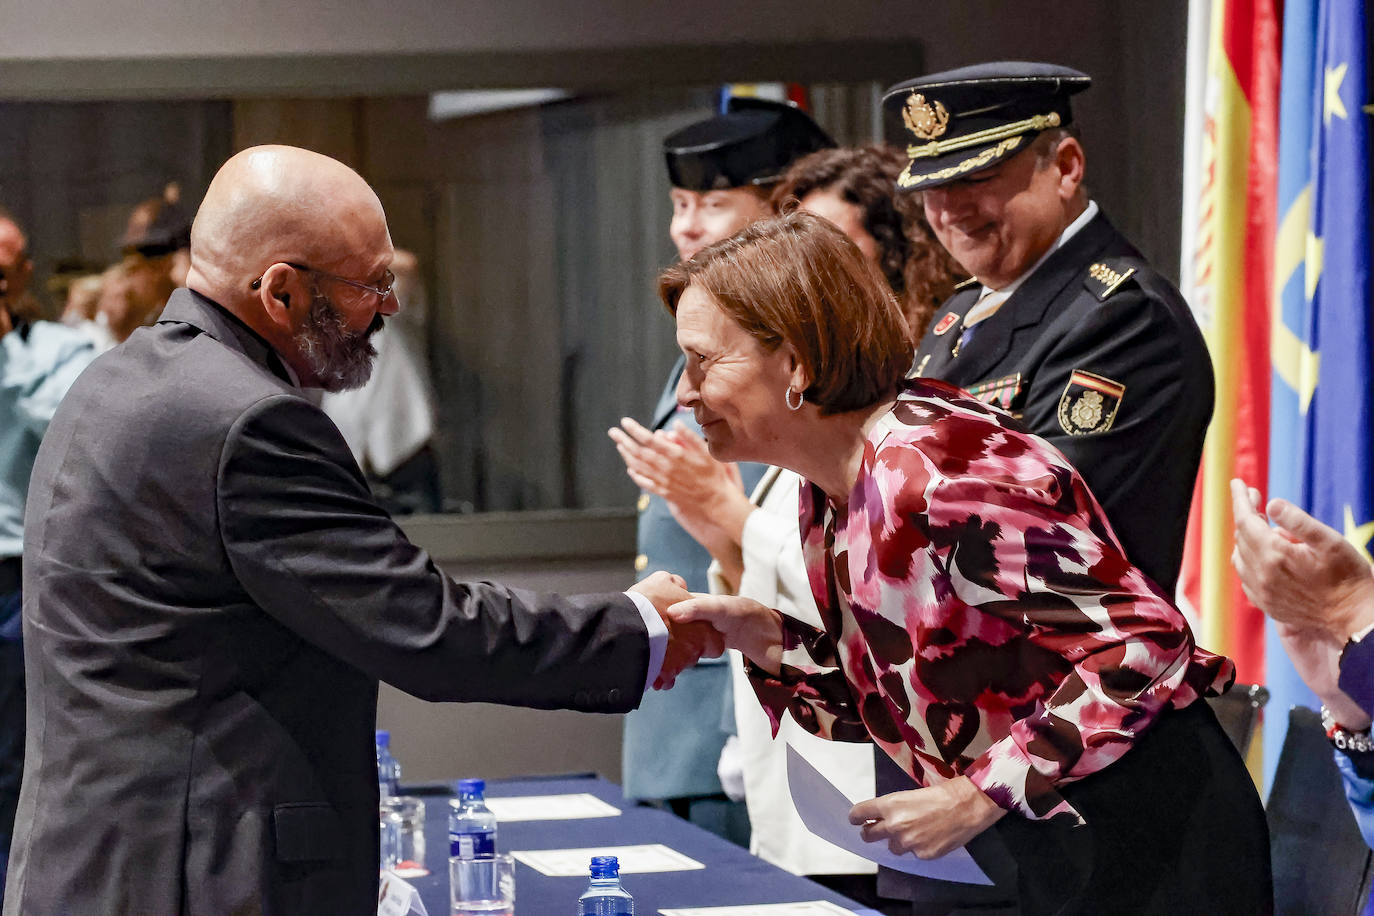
<point>743,623</point>
<point>928,822</point>
<point>705,496</point>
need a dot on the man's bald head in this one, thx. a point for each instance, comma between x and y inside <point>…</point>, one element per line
<point>279,203</point>
<point>295,244</point>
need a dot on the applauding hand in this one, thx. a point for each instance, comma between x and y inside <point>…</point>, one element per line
<point>1301,573</point>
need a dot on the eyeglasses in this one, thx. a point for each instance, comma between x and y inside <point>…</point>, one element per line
<point>381,292</point>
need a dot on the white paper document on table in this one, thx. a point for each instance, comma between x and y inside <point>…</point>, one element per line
<point>824,810</point>
<point>550,807</point>
<point>634,860</point>
<point>801,908</point>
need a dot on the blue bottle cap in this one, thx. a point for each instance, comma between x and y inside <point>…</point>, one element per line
<point>472,786</point>
<point>605,867</point>
<point>383,738</point>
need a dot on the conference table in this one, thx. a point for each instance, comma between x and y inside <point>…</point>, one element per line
<point>731,877</point>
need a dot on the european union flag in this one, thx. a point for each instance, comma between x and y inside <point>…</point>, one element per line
<point>1340,421</point>
<point>1322,408</point>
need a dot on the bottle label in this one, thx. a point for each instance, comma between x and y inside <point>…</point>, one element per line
<point>471,845</point>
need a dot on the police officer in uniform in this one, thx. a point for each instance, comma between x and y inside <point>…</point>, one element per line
<point>722,170</point>
<point>1064,323</point>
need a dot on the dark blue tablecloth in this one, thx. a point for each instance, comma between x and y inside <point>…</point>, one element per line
<point>731,875</point>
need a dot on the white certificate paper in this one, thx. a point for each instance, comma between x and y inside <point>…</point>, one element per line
<point>802,908</point>
<point>550,807</point>
<point>824,810</point>
<point>573,863</point>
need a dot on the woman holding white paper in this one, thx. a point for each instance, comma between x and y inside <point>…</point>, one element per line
<point>979,620</point>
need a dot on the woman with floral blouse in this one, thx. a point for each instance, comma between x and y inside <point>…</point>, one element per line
<point>980,620</point>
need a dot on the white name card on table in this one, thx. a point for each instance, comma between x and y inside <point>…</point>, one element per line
<point>550,807</point>
<point>802,908</point>
<point>399,898</point>
<point>634,860</point>
<point>824,809</point>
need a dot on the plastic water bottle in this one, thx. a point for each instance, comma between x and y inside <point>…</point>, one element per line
<point>388,768</point>
<point>471,825</point>
<point>605,896</point>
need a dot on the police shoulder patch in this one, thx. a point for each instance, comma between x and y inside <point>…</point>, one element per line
<point>1106,277</point>
<point>1089,404</point>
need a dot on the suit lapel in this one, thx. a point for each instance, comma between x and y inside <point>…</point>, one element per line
<point>765,484</point>
<point>667,401</point>
<point>1027,306</point>
<point>933,355</point>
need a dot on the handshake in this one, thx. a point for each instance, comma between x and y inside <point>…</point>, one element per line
<point>704,626</point>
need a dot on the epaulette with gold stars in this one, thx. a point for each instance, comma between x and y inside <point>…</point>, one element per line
<point>1106,277</point>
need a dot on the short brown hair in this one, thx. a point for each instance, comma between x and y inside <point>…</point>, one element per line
<point>918,269</point>
<point>798,279</point>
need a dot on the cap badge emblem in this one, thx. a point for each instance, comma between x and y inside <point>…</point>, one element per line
<point>927,120</point>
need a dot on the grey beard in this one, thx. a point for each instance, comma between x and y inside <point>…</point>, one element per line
<point>339,358</point>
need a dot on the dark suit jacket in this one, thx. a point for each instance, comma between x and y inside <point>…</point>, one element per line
<point>210,597</point>
<point>1069,317</point>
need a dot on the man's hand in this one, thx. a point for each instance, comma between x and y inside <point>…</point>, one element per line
<point>744,624</point>
<point>928,822</point>
<point>1302,573</point>
<point>688,643</point>
<point>1316,655</point>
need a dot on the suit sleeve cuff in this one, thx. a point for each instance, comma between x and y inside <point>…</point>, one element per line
<point>1356,678</point>
<point>658,636</point>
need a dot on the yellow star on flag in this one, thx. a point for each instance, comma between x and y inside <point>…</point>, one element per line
<point>1333,104</point>
<point>1359,535</point>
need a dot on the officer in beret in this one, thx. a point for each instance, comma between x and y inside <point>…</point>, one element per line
<point>722,171</point>
<point>1064,323</point>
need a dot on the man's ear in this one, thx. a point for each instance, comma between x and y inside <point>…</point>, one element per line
<point>1072,162</point>
<point>280,294</point>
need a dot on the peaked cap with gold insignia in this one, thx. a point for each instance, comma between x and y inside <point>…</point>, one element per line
<point>955,123</point>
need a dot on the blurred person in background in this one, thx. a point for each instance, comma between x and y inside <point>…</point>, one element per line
<point>754,540</point>
<point>388,423</point>
<point>722,171</point>
<point>39,360</point>
<point>155,258</point>
<point>81,310</point>
<point>856,189</point>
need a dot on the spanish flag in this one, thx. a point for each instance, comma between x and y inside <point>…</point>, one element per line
<point>1231,289</point>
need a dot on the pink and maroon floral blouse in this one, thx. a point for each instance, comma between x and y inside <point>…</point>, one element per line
<point>979,615</point>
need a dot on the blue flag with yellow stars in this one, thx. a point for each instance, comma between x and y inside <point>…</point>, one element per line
<point>1340,419</point>
<point>1322,402</point>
